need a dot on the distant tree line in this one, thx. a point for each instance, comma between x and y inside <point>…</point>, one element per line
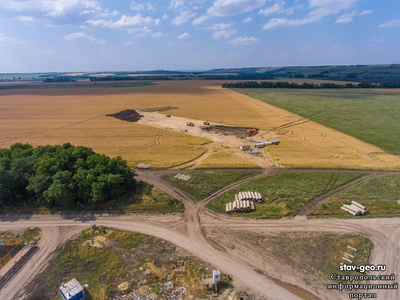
<point>125,78</point>
<point>287,85</point>
<point>61,176</point>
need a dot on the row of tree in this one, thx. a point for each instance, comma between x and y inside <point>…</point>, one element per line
<point>61,176</point>
<point>305,85</point>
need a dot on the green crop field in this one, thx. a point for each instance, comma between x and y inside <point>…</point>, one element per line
<point>369,115</point>
<point>204,183</point>
<point>286,193</point>
<point>381,196</point>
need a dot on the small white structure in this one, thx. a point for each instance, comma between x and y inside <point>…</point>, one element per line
<point>72,290</point>
<point>216,276</point>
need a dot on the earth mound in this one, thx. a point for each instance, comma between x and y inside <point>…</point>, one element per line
<point>129,115</point>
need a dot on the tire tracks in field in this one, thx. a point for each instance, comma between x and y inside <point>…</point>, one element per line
<point>52,129</point>
<point>313,203</point>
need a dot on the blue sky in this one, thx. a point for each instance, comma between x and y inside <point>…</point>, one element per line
<point>112,35</point>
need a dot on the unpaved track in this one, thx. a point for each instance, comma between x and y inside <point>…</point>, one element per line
<point>188,232</point>
<point>313,203</point>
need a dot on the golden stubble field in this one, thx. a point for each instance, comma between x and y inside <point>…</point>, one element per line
<point>53,116</point>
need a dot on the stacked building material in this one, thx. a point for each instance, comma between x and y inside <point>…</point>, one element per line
<point>240,206</point>
<point>355,208</point>
<point>251,196</point>
<point>143,166</point>
<point>182,177</point>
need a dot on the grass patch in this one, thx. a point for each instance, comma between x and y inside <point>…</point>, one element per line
<point>381,196</point>
<point>146,199</point>
<point>286,193</point>
<point>369,115</point>
<point>204,183</point>
<point>115,257</point>
<point>26,235</point>
<point>321,254</point>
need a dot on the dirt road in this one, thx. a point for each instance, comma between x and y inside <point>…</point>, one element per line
<point>197,232</point>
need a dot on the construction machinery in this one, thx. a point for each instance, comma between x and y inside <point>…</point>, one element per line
<point>206,123</point>
<point>252,131</point>
<point>168,115</point>
<point>190,124</point>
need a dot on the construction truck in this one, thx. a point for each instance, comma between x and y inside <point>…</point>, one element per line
<point>206,123</point>
<point>190,124</point>
<point>168,115</point>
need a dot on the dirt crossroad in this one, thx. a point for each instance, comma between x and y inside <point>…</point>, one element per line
<point>190,231</point>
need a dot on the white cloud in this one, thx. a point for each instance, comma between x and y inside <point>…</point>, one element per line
<point>223,33</point>
<point>179,3</point>
<point>157,22</point>
<point>146,31</point>
<point>222,8</point>
<point>320,9</point>
<point>379,40</point>
<point>184,16</point>
<point>165,17</point>
<point>124,21</point>
<point>366,12</point>
<point>248,20</point>
<point>277,7</point>
<point>150,6</point>
<point>158,34</point>
<point>347,17</point>
<point>244,41</point>
<point>220,26</point>
<point>108,13</point>
<point>184,36</point>
<point>200,20</point>
<point>392,23</point>
<point>137,6</point>
<point>306,47</point>
<point>80,36</point>
<point>129,44</point>
<point>8,40</point>
<point>53,11</point>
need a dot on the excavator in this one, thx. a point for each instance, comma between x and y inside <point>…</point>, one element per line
<point>252,131</point>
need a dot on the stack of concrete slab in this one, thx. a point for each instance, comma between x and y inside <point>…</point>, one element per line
<point>143,166</point>
<point>240,206</point>
<point>355,208</point>
<point>251,196</point>
<point>182,177</point>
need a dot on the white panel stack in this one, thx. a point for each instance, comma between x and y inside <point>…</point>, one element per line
<point>182,177</point>
<point>143,166</point>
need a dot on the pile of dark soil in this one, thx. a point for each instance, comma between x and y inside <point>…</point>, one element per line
<point>129,115</point>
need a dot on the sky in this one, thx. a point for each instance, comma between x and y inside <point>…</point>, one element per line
<point>123,35</point>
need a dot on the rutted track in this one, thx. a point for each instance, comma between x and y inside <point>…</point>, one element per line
<point>189,232</point>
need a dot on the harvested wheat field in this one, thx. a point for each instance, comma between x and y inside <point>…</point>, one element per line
<point>54,116</point>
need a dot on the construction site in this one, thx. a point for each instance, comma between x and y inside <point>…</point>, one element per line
<point>233,239</point>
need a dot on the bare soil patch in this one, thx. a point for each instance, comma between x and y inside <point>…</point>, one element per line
<point>240,132</point>
<point>129,115</point>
